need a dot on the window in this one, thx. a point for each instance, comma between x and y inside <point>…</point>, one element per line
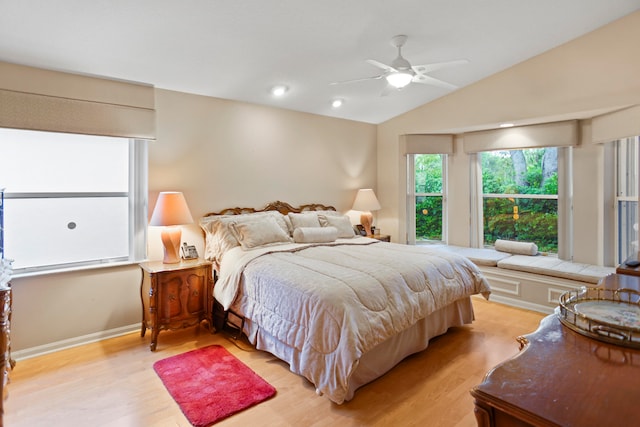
<point>520,196</point>
<point>426,205</point>
<point>626,197</point>
<point>72,200</point>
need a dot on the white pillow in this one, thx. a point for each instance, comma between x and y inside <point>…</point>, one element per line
<point>219,236</point>
<point>309,219</point>
<point>341,223</point>
<point>513,247</point>
<point>261,232</point>
<point>315,234</point>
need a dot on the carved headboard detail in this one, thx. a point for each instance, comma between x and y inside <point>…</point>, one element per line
<point>282,207</point>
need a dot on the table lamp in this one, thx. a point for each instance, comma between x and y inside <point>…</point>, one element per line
<point>366,201</point>
<point>171,211</point>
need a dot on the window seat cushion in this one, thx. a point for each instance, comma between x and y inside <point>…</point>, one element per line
<point>479,256</point>
<point>551,266</point>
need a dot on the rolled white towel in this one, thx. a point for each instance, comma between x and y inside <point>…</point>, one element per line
<point>513,247</point>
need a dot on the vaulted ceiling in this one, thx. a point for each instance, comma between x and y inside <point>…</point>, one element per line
<point>240,49</point>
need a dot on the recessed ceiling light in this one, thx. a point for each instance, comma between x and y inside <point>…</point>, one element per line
<point>279,90</point>
<point>337,103</point>
<point>506,125</point>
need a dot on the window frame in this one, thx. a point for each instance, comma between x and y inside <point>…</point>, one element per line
<point>616,191</point>
<point>564,198</point>
<point>137,195</point>
<point>411,199</point>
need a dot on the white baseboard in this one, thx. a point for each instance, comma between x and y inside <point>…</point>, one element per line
<point>521,304</point>
<point>73,342</point>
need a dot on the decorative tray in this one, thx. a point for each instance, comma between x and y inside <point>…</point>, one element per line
<point>607,315</point>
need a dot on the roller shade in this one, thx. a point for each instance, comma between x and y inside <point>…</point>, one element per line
<point>616,125</point>
<point>557,134</point>
<point>426,144</point>
<point>36,99</point>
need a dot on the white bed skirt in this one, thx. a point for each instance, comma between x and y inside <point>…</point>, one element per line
<point>382,358</point>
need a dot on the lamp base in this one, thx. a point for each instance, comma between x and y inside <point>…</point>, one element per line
<point>366,219</point>
<point>171,237</point>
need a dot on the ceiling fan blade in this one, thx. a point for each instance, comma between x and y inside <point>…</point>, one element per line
<point>358,80</point>
<point>380,65</point>
<point>427,68</point>
<point>428,80</point>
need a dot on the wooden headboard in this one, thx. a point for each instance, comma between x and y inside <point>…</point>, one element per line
<point>282,207</point>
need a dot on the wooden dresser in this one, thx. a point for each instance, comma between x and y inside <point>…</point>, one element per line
<point>627,269</point>
<point>6,363</point>
<point>562,378</point>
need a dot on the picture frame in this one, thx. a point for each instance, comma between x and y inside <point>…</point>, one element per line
<point>189,251</point>
<point>361,230</point>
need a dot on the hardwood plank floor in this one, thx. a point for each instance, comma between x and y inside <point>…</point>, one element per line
<point>112,382</point>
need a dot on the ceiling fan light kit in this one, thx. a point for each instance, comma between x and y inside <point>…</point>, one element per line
<point>401,73</point>
<point>399,79</point>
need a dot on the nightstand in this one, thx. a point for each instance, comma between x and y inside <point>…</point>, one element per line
<point>175,296</point>
<point>381,237</point>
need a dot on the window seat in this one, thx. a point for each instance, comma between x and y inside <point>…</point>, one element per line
<point>531,282</point>
<point>552,266</point>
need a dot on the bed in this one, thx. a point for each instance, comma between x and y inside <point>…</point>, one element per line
<point>340,309</point>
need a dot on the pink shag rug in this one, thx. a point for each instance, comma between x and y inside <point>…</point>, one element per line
<point>210,384</point>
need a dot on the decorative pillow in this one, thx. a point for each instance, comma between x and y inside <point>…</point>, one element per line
<point>219,237</point>
<point>261,232</point>
<point>309,219</point>
<point>513,247</point>
<point>287,222</point>
<point>341,223</point>
<point>315,234</point>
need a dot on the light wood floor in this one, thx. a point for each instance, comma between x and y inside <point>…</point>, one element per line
<point>112,382</point>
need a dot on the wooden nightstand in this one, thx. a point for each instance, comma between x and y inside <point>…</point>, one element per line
<point>175,296</point>
<point>381,237</point>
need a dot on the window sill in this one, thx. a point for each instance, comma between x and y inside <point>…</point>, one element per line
<point>18,275</point>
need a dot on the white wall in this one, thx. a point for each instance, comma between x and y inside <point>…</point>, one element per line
<point>221,154</point>
<point>593,73</point>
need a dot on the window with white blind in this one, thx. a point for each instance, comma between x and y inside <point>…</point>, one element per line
<point>520,196</point>
<point>426,201</point>
<point>426,180</point>
<point>626,197</point>
<point>72,200</point>
<point>523,185</point>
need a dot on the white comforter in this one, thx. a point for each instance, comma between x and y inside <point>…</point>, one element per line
<point>334,302</point>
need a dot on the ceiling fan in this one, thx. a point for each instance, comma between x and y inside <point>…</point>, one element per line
<point>401,73</point>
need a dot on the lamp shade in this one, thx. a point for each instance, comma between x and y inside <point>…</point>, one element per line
<point>171,209</point>
<point>366,201</point>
